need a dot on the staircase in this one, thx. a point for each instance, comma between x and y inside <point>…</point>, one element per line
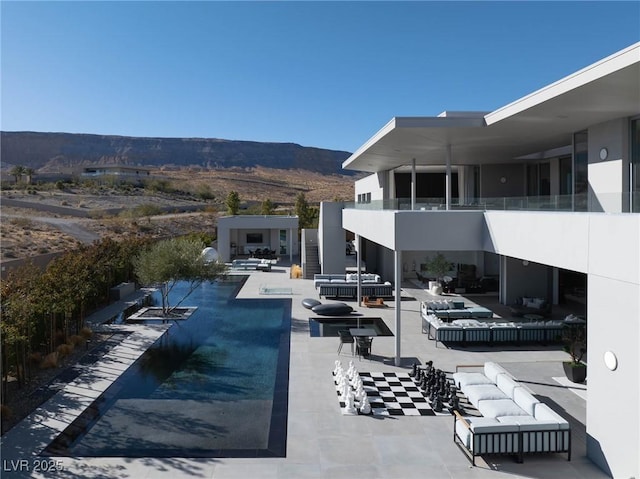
<point>311,260</point>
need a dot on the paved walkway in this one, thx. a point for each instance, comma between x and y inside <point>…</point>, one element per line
<point>322,443</point>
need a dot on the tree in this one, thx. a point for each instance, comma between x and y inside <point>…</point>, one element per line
<point>29,172</point>
<point>438,265</point>
<point>168,262</point>
<point>17,172</point>
<point>267,207</point>
<point>233,203</point>
<point>307,215</point>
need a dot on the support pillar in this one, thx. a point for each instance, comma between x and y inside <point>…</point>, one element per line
<point>398,303</point>
<point>291,246</point>
<point>413,184</point>
<point>448,180</point>
<point>359,271</point>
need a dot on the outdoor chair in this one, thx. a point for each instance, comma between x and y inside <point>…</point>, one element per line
<point>363,347</point>
<point>345,338</point>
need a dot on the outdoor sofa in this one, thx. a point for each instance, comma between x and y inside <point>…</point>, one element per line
<point>449,310</point>
<point>465,331</point>
<point>513,420</point>
<point>365,278</point>
<point>252,263</point>
<point>346,285</point>
<point>525,305</point>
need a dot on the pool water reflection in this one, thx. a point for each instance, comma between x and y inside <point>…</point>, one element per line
<point>214,385</point>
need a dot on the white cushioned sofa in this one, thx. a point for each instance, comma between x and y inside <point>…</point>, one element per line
<point>513,420</point>
<point>472,330</point>
<point>346,285</point>
<point>366,278</point>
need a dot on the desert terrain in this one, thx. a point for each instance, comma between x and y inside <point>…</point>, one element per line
<point>114,211</point>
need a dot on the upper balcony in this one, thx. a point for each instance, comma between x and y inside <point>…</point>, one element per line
<point>602,203</point>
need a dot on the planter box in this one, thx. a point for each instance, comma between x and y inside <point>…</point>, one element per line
<point>575,374</point>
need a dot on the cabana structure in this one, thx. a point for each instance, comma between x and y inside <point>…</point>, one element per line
<point>243,235</point>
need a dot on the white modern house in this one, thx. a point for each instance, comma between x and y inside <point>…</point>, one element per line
<point>544,188</point>
<point>243,234</point>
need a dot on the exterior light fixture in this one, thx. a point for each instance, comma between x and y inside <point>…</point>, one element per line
<point>610,360</point>
<point>604,153</point>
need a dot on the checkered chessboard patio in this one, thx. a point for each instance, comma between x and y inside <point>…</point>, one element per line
<point>395,394</point>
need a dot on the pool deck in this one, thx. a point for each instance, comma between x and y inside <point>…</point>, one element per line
<point>321,442</point>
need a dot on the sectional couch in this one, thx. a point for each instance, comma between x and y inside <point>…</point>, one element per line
<point>463,331</point>
<point>346,286</point>
<point>513,421</point>
<point>366,278</point>
<point>449,310</point>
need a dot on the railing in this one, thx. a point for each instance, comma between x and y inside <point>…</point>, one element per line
<point>608,202</point>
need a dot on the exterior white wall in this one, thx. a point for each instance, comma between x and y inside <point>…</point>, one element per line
<point>331,238</point>
<point>613,313</point>
<point>557,239</point>
<point>374,225</point>
<point>439,230</point>
<point>374,184</point>
<point>609,179</point>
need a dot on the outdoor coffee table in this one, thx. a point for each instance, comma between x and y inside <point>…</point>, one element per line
<point>363,332</point>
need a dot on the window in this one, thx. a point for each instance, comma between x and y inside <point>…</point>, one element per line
<point>254,238</point>
<point>580,170</point>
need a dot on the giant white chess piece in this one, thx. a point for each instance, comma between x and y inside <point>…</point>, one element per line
<point>350,408</point>
<point>345,389</point>
<point>365,407</point>
<point>360,393</point>
<point>337,368</point>
<point>352,370</point>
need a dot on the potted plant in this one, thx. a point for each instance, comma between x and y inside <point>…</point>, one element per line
<point>439,266</point>
<point>574,337</point>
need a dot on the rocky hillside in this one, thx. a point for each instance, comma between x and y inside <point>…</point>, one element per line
<point>55,151</point>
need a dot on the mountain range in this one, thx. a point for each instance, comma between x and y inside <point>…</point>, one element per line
<point>50,152</point>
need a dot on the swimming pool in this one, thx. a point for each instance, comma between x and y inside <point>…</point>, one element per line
<point>214,385</point>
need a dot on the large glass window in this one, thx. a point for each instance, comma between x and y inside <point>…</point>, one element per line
<point>566,175</point>
<point>539,179</point>
<point>580,170</point>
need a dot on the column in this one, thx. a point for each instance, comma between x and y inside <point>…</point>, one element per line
<point>359,273</point>
<point>398,279</point>
<point>413,184</point>
<point>448,180</point>
<point>291,246</point>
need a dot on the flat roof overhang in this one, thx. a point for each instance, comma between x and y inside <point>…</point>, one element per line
<point>541,121</point>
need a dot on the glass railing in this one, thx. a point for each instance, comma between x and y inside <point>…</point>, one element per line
<point>607,202</point>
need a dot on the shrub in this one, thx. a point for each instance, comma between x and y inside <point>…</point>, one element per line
<point>64,350</point>
<point>86,332</point>
<point>296,271</point>
<point>76,340</point>
<point>22,222</point>
<point>50,361</point>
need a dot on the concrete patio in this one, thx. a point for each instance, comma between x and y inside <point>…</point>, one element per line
<point>321,442</point>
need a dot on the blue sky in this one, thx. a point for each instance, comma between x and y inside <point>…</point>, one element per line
<point>324,74</point>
